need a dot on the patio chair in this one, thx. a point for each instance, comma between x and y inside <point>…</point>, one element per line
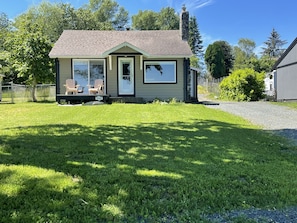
<point>71,87</point>
<point>97,88</point>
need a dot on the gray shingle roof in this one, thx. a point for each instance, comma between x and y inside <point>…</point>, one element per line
<point>91,43</point>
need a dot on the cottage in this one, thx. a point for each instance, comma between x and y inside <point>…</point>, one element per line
<point>284,74</point>
<point>142,64</point>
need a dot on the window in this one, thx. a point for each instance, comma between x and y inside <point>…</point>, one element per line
<point>160,72</point>
<point>85,72</point>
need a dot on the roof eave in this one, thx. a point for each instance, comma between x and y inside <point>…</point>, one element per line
<point>124,44</point>
<point>77,56</point>
<point>103,56</point>
<point>170,56</point>
<point>275,66</point>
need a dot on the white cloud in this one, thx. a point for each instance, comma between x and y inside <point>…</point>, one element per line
<point>207,39</point>
<point>191,5</point>
<point>196,4</point>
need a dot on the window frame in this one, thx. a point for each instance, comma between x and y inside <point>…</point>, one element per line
<point>159,62</point>
<point>89,68</point>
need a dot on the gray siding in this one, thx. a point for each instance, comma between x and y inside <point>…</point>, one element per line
<point>286,82</point>
<point>161,91</point>
<point>65,73</point>
<point>146,91</point>
<point>290,58</point>
<point>111,78</point>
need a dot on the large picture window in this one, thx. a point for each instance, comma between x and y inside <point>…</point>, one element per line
<point>85,72</point>
<point>160,72</point>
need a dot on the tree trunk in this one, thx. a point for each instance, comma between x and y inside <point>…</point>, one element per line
<point>34,99</point>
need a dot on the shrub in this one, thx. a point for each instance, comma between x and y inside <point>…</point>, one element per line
<point>243,85</point>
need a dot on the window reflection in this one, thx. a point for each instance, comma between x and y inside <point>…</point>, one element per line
<point>85,72</point>
<point>160,72</point>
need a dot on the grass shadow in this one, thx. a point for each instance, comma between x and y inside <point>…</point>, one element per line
<point>165,172</point>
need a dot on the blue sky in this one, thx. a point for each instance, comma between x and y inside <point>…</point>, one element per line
<point>227,20</point>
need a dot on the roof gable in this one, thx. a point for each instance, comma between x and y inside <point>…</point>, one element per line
<point>91,43</point>
<point>288,57</point>
<point>124,44</point>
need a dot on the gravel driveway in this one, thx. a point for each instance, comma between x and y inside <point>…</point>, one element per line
<point>279,119</point>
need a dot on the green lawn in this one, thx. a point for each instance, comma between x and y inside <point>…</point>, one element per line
<point>292,104</point>
<point>137,163</point>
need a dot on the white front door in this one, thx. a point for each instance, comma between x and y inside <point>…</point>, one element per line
<point>126,76</point>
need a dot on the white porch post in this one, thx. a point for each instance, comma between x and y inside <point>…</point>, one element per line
<point>141,62</point>
<point>110,62</point>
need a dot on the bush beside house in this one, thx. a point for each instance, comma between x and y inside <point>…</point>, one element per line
<point>243,85</point>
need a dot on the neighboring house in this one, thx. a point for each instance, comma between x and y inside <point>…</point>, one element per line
<point>144,64</point>
<point>269,85</point>
<point>285,74</point>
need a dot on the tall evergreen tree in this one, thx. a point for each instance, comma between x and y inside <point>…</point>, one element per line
<point>214,59</point>
<point>228,55</point>
<point>195,39</point>
<point>219,59</point>
<point>274,45</point>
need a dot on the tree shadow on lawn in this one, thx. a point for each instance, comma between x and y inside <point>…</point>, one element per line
<point>164,172</point>
<point>290,134</point>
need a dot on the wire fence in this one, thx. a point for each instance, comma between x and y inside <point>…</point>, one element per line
<point>16,93</point>
<point>211,85</point>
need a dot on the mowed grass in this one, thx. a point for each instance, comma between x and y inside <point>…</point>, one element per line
<point>137,163</point>
<point>290,104</point>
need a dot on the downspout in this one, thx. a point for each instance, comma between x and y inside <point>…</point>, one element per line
<point>57,68</point>
<point>186,73</point>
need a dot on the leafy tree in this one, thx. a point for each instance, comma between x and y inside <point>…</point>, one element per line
<point>46,16</point>
<point>194,61</point>
<point>5,34</point>
<point>121,18</point>
<point>273,46</point>
<point>247,46</point>
<point>53,18</point>
<point>263,64</point>
<point>29,56</point>
<point>167,19</point>
<point>4,29</point>
<point>69,18</point>
<point>107,14</point>
<point>4,22</point>
<point>214,59</point>
<point>243,85</point>
<point>85,19</point>
<point>244,54</point>
<point>145,20</point>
